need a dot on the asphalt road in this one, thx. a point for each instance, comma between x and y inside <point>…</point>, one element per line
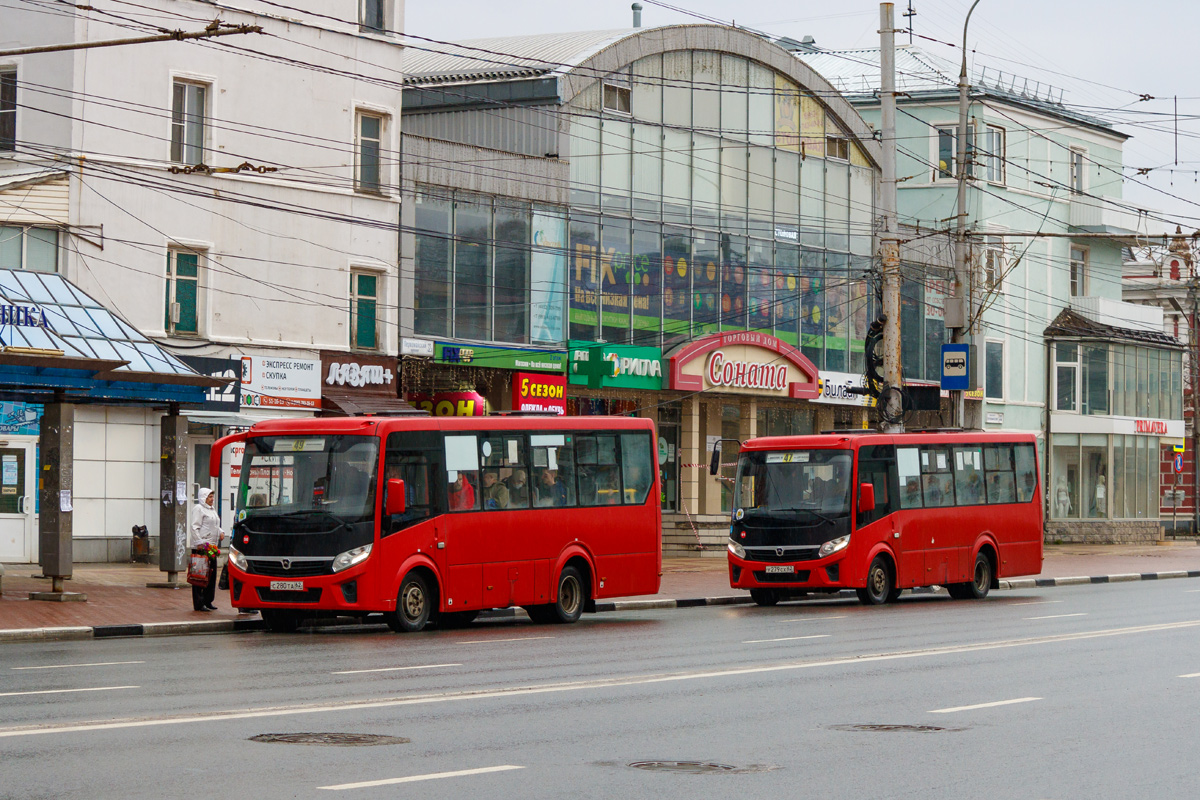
<point>1058,693</point>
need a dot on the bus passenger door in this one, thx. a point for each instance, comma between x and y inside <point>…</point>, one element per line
<point>909,537</point>
<point>877,466</point>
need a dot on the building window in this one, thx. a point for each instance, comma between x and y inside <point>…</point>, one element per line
<point>371,15</point>
<point>183,293</point>
<point>993,154</point>
<point>364,311</point>
<point>8,110</point>
<point>188,121</point>
<point>1079,272</point>
<point>369,171</point>
<point>995,263</point>
<point>994,371</point>
<point>33,249</point>
<point>947,151</point>
<point>1076,172</point>
<point>837,147</point>
<point>618,95</point>
<point>1066,376</point>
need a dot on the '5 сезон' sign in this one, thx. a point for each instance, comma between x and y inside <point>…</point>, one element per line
<point>533,391</point>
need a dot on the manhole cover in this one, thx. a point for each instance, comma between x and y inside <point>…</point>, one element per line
<point>698,767</point>
<point>891,728</point>
<point>335,739</point>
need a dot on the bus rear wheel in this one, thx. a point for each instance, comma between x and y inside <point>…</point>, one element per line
<point>413,605</point>
<point>280,621</point>
<point>879,584</point>
<point>569,605</point>
<point>764,597</point>
<point>980,584</point>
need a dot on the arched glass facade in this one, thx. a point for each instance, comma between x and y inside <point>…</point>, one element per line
<point>710,193</point>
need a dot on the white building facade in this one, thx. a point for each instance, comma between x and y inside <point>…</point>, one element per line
<point>232,198</point>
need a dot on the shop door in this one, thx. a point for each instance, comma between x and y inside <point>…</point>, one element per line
<point>16,503</point>
<point>668,465</point>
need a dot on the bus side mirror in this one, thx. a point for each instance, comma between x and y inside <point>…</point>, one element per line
<point>395,497</point>
<point>866,498</point>
<point>714,466</point>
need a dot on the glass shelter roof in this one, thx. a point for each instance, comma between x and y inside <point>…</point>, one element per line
<point>43,314</point>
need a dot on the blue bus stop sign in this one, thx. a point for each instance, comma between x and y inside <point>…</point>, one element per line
<point>956,363</point>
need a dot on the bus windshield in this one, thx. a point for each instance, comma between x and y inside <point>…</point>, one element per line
<point>794,483</point>
<point>298,475</point>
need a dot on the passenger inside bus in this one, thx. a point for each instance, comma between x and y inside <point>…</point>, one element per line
<point>551,491</point>
<point>495,493</point>
<point>608,486</point>
<point>912,493</point>
<point>462,493</point>
<point>518,488</point>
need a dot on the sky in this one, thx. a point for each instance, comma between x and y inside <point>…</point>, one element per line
<point>1103,58</point>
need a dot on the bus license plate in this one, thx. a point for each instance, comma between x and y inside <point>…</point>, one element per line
<point>297,586</point>
<point>784,568</point>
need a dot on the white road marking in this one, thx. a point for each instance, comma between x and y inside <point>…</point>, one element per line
<point>786,639</point>
<point>343,706</point>
<point>392,669</point>
<point>984,705</point>
<point>812,619</point>
<point>433,776</point>
<point>1060,616</point>
<point>496,641</point>
<point>68,691</point>
<point>1191,675</point>
<point>97,664</point>
<point>1036,603</point>
<point>1191,591</point>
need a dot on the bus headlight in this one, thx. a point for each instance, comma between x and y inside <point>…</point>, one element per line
<point>238,560</point>
<point>737,549</point>
<point>831,547</point>
<point>351,557</point>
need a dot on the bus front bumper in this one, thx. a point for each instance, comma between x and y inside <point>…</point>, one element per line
<point>341,592</point>
<point>817,575</point>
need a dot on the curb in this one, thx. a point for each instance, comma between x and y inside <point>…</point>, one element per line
<point>149,629</point>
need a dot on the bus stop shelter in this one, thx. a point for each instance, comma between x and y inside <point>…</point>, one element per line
<point>59,347</point>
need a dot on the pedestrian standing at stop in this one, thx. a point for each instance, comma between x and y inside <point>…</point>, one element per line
<point>205,531</point>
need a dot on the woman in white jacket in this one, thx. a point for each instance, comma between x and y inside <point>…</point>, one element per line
<point>205,530</point>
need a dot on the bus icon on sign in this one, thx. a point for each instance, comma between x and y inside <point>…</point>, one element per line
<point>956,366</point>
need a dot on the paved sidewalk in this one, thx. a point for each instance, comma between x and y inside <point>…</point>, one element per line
<point>120,604</point>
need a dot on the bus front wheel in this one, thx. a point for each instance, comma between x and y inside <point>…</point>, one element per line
<point>764,597</point>
<point>879,584</point>
<point>413,605</point>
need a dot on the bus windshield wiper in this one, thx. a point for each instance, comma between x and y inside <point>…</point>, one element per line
<point>810,510</point>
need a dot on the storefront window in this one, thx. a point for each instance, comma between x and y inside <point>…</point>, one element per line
<point>733,282</point>
<point>837,310</point>
<point>1065,469</point>
<point>432,269</point>
<point>583,269</point>
<point>677,282</point>
<point>512,274</point>
<point>614,279</point>
<point>1118,472</point>
<point>761,284</point>
<point>1066,370</point>
<point>1095,475</point>
<point>472,263</point>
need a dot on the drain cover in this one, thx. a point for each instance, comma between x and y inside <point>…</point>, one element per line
<point>698,767</point>
<point>335,739</point>
<point>891,728</point>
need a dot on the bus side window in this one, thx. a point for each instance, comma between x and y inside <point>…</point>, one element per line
<point>908,469</point>
<point>637,466</point>
<point>552,470</point>
<point>1026,464</point>
<point>875,466</point>
<point>937,482</point>
<point>968,475</point>
<point>998,467</point>
<point>413,457</point>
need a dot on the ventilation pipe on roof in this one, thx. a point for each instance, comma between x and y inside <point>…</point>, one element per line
<point>637,15</point>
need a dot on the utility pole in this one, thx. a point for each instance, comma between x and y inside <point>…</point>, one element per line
<point>215,28</point>
<point>889,240</point>
<point>958,308</point>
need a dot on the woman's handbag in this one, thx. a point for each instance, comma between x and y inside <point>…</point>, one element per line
<point>199,568</point>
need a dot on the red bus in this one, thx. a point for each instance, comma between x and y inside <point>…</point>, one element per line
<point>430,520</point>
<point>882,513</point>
